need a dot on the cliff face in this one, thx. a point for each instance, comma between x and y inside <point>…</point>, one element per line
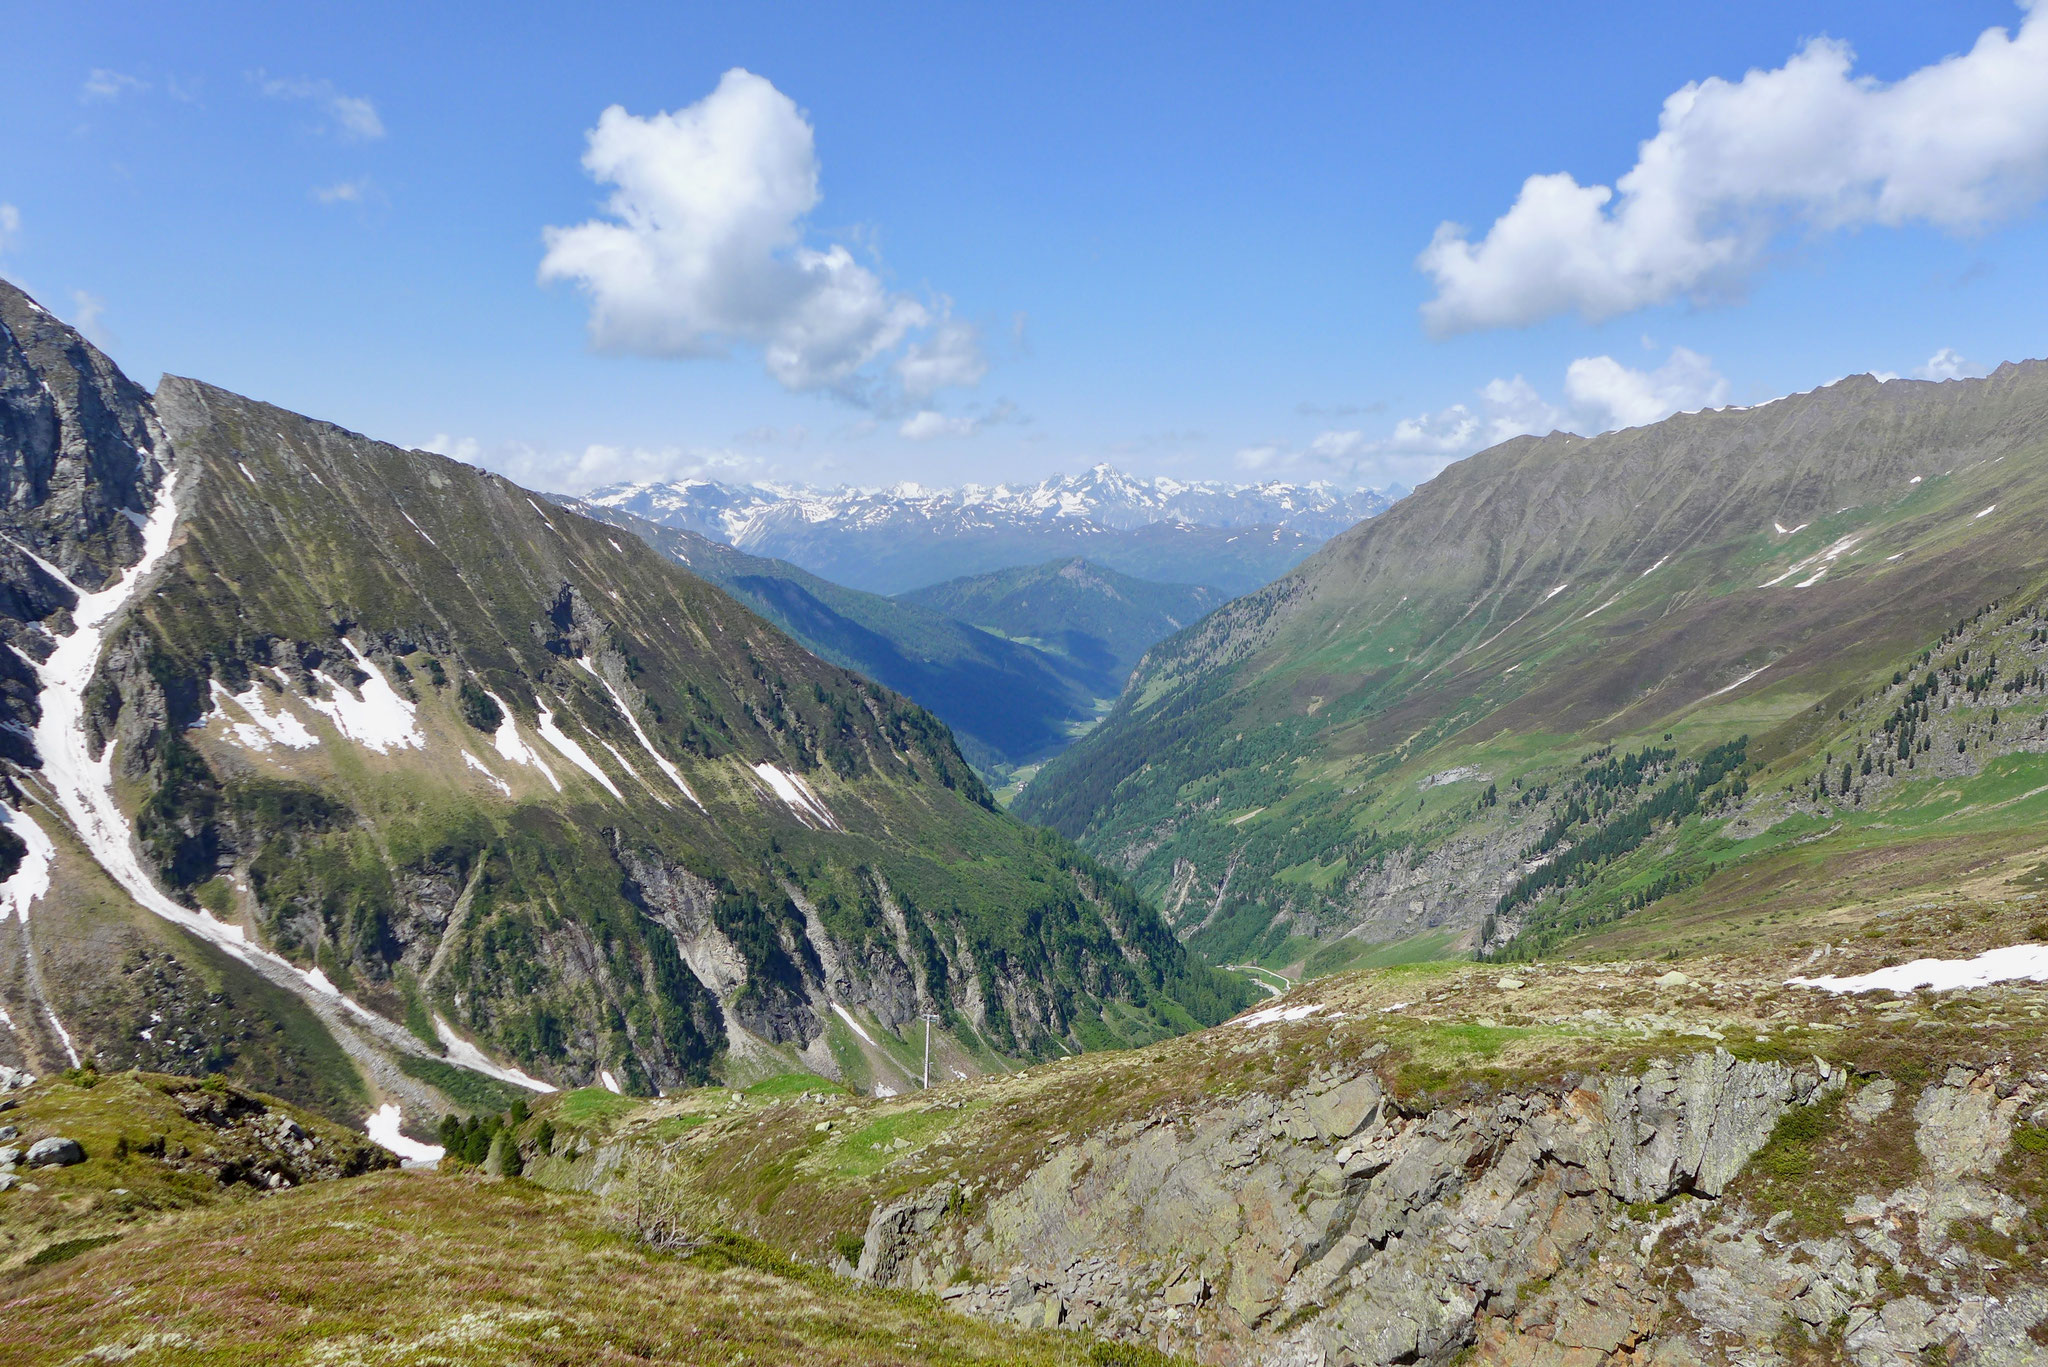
<point>1537,1228</point>
<point>1442,1166</point>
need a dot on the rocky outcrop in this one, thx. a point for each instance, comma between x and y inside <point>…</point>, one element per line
<point>1335,1226</point>
<point>79,464</point>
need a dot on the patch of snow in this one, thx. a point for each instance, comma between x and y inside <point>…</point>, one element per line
<point>245,470</point>
<point>1987,512</point>
<point>1556,591</point>
<point>418,528</point>
<point>263,727</point>
<point>883,1089</point>
<point>608,1082</point>
<point>798,795</point>
<point>675,775</point>
<point>1738,683</point>
<point>1606,605</point>
<point>22,887</point>
<point>1914,480</point>
<point>461,1051</point>
<point>2014,963</point>
<point>382,1125</point>
<point>847,1016</point>
<point>566,744</point>
<point>616,546</point>
<point>1900,556</point>
<point>543,516</point>
<point>1823,559</point>
<point>321,983</point>
<point>83,785</point>
<point>1654,568</point>
<point>1397,1006</point>
<point>380,719</point>
<point>32,879</point>
<point>512,748</point>
<point>1267,1015</point>
<point>70,1049</point>
<point>633,773</point>
<point>473,762</point>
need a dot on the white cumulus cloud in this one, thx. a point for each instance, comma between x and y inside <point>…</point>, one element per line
<point>352,118</point>
<point>343,191</point>
<point>1603,394</point>
<point>577,470</point>
<point>103,84</point>
<point>1947,364</point>
<point>950,358</point>
<point>88,315</point>
<point>703,246</point>
<point>1600,395</point>
<point>925,424</point>
<point>1958,144</point>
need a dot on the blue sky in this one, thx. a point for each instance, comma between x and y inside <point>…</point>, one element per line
<point>956,243</point>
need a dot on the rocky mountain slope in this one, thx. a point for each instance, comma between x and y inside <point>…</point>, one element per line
<point>1770,1153</point>
<point>1570,679</point>
<point>370,778</point>
<point>1228,537</point>
<point>1008,702</point>
<point>1594,1160</point>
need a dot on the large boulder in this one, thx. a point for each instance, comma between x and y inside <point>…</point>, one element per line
<point>54,1152</point>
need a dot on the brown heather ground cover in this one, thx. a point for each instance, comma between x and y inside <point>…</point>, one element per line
<point>423,1268</point>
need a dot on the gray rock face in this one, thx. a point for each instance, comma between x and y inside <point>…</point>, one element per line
<point>890,1249</point>
<point>54,1152</point>
<point>1330,1226</point>
<point>79,451</point>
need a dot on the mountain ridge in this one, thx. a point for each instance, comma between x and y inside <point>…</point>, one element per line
<point>1550,595</point>
<point>439,789</point>
<point>1231,537</point>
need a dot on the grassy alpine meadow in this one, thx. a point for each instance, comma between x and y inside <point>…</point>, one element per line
<point>432,1268</point>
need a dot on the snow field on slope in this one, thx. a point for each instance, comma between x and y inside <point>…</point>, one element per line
<point>1267,1015</point>
<point>798,796</point>
<point>515,750</point>
<point>618,700</point>
<point>567,746</point>
<point>473,762</point>
<point>380,719</point>
<point>382,1127</point>
<point>853,1024</point>
<point>2014,963</point>
<point>264,727</point>
<point>462,1052</point>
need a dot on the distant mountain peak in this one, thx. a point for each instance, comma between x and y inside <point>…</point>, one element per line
<point>1061,514</point>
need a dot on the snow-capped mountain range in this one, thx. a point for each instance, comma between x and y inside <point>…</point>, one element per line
<point>908,535</point>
